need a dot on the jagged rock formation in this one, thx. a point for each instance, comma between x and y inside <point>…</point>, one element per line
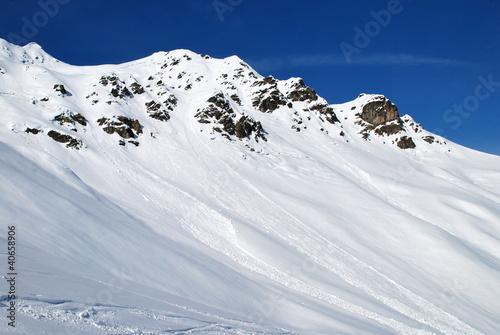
<point>70,118</point>
<point>156,111</point>
<point>122,125</point>
<point>268,98</point>
<point>61,89</point>
<point>300,92</point>
<point>381,116</point>
<point>325,111</point>
<point>62,138</point>
<point>406,142</point>
<point>32,131</point>
<point>226,122</point>
<point>379,113</point>
<point>226,98</point>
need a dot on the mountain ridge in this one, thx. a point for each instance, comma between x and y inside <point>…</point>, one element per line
<point>266,95</point>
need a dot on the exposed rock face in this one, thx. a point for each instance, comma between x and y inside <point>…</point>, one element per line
<point>269,98</point>
<point>131,123</point>
<point>246,126</point>
<point>171,102</point>
<point>301,92</point>
<point>236,99</point>
<point>61,138</point>
<point>137,88</point>
<point>119,89</point>
<point>389,129</point>
<point>32,131</point>
<point>124,126</point>
<point>61,89</point>
<point>156,111</point>
<point>217,110</point>
<point>429,139</point>
<point>69,117</point>
<point>326,111</point>
<point>380,116</point>
<point>406,142</point>
<point>220,113</point>
<point>378,113</point>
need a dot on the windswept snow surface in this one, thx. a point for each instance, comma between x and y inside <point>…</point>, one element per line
<point>310,232</point>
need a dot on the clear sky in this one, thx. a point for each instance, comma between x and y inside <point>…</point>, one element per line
<point>437,60</point>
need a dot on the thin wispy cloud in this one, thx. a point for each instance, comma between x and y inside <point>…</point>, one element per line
<point>386,59</point>
<point>405,59</point>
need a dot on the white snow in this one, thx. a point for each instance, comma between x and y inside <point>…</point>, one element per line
<point>310,232</point>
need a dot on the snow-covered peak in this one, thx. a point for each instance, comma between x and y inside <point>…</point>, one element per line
<point>31,53</point>
<point>219,95</point>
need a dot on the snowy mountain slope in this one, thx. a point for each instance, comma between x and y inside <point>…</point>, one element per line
<point>180,193</point>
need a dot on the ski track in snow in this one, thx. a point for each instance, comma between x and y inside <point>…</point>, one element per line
<point>349,268</point>
<point>356,273</point>
<point>216,231</point>
<point>219,234</point>
<point>359,174</point>
<point>75,318</point>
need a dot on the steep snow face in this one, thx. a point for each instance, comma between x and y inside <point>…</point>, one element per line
<point>185,194</point>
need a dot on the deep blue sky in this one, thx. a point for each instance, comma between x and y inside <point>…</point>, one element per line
<point>427,56</point>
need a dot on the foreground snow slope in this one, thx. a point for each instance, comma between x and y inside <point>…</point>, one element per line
<point>185,194</point>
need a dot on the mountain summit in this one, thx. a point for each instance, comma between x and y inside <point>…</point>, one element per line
<point>185,194</point>
<point>225,97</point>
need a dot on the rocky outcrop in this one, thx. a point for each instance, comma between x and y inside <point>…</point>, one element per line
<point>171,102</point>
<point>378,113</point>
<point>429,139</point>
<point>155,110</point>
<point>406,142</point>
<point>300,92</point>
<point>61,138</point>
<point>236,99</point>
<point>226,122</point>
<point>70,118</point>
<point>326,111</point>
<point>159,111</point>
<point>122,125</point>
<point>62,90</point>
<point>218,112</point>
<point>246,126</point>
<point>389,129</point>
<point>119,88</point>
<point>380,116</point>
<point>268,99</point>
<point>33,131</point>
<point>137,88</point>
<point>165,89</point>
